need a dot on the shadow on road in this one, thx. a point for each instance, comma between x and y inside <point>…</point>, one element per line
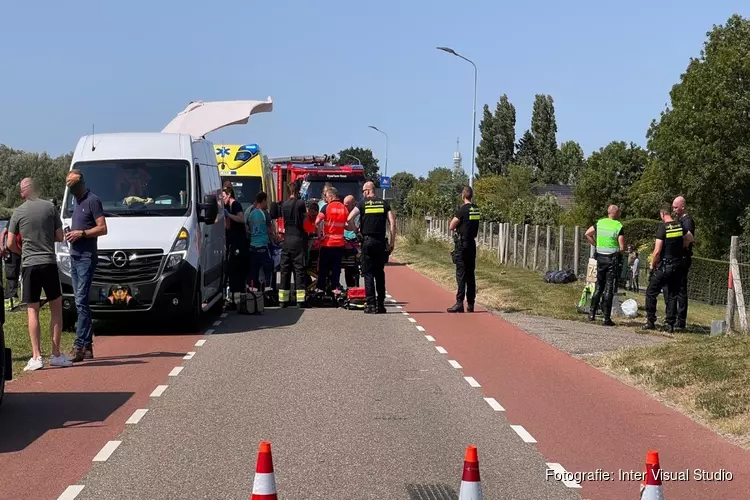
<point>27,416</point>
<point>135,328</point>
<point>396,264</point>
<point>431,492</point>
<point>271,318</point>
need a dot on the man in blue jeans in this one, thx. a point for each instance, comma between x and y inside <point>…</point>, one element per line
<point>88,224</point>
<point>261,232</point>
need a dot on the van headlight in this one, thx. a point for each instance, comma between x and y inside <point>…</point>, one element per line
<point>179,249</point>
<point>63,258</point>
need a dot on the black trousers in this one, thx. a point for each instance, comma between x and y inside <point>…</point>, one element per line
<point>329,267</point>
<point>465,258</point>
<point>607,271</point>
<point>238,268</point>
<point>682,292</point>
<point>373,269</point>
<point>293,255</point>
<point>667,276</point>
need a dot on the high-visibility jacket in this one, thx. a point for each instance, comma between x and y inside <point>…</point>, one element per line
<point>607,232</point>
<point>334,224</point>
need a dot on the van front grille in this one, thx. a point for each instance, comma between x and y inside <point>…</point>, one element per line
<point>128,266</point>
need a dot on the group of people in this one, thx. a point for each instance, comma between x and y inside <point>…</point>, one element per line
<point>670,264</point>
<point>332,221</point>
<point>32,232</point>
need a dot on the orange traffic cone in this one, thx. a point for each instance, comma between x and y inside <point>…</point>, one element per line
<point>471,485</point>
<point>651,485</point>
<point>264,485</point>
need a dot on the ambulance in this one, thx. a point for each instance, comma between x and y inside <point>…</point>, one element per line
<point>245,166</point>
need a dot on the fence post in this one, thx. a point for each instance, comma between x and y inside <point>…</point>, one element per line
<point>549,249</point>
<point>515,244</point>
<point>561,249</point>
<point>500,242</point>
<point>492,236</point>
<point>576,249</point>
<point>484,233</point>
<point>525,243</point>
<point>736,283</point>
<point>507,242</point>
<point>536,247</point>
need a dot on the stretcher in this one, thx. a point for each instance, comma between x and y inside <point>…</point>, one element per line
<point>350,264</point>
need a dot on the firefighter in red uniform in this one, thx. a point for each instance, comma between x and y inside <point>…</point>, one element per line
<point>333,217</point>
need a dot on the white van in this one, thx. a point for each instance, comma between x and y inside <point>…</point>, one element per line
<point>165,246</point>
<point>164,250</point>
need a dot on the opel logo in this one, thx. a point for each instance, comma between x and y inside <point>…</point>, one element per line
<point>119,259</point>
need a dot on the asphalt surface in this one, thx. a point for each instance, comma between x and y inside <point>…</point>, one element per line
<point>580,417</point>
<point>356,407</point>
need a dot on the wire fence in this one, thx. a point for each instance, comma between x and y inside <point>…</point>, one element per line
<point>549,248</point>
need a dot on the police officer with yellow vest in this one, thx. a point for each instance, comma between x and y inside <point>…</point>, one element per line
<point>666,267</point>
<point>465,223</point>
<point>610,244</point>
<point>374,213</point>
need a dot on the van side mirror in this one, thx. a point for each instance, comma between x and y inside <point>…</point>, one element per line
<point>211,207</point>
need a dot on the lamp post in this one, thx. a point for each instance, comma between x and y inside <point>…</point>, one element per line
<point>474,122</point>
<point>359,162</point>
<point>386,152</point>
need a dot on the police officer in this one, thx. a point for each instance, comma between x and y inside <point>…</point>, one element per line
<point>294,246</point>
<point>666,268</point>
<point>374,212</point>
<point>610,243</point>
<point>465,224</point>
<point>688,226</point>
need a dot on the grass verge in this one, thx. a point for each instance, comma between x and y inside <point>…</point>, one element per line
<point>17,338</point>
<point>706,378</point>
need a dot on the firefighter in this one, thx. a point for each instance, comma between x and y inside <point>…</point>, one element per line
<point>294,246</point>
<point>331,225</point>
<point>610,243</point>
<point>666,267</point>
<point>465,224</point>
<point>373,213</point>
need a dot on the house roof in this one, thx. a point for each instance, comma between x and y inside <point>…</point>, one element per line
<point>563,193</point>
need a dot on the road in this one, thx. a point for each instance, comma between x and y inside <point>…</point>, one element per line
<point>356,406</point>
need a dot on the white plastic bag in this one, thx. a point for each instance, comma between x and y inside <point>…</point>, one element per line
<point>629,308</point>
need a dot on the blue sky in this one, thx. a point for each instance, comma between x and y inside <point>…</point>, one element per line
<point>333,67</point>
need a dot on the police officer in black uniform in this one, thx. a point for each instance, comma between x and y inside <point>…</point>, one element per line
<point>375,214</point>
<point>294,246</point>
<point>666,268</point>
<point>465,224</point>
<point>688,226</point>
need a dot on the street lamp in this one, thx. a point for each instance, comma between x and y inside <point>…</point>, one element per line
<point>386,151</point>
<point>359,162</point>
<point>474,122</point>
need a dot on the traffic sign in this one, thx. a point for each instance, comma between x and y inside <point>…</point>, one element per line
<point>385,182</point>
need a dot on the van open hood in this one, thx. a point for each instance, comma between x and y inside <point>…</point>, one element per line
<point>141,233</point>
<point>201,118</point>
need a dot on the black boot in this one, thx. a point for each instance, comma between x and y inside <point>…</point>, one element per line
<point>381,308</point>
<point>608,322</point>
<point>470,308</point>
<point>650,325</point>
<point>668,329</point>
<point>370,309</point>
<point>458,307</point>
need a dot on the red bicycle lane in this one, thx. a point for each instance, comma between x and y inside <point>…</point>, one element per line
<point>579,416</point>
<point>55,420</point>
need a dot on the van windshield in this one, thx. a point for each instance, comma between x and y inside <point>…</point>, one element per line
<point>137,188</point>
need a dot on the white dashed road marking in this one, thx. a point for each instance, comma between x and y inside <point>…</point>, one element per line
<point>223,315</point>
<point>71,492</point>
<point>158,391</point>
<point>176,371</point>
<point>388,296</point>
<point>189,355</point>
<point>217,323</point>
<point>472,382</point>
<point>494,404</point>
<point>523,433</point>
<point>136,416</point>
<point>454,363</point>
<point>559,469</point>
<point>202,341</point>
<point>399,307</point>
<point>441,350</point>
<point>412,320</point>
<point>430,338</point>
<point>404,313</point>
<point>420,328</point>
<point>208,332</point>
<point>107,451</point>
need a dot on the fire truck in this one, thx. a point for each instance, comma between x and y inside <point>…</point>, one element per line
<point>317,171</point>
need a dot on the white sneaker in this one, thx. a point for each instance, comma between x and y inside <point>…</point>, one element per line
<point>34,364</point>
<point>61,360</point>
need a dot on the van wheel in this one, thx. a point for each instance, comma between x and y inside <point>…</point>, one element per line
<point>2,365</point>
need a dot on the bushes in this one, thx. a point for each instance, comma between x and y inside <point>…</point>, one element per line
<point>415,230</point>
<point>640,232</point>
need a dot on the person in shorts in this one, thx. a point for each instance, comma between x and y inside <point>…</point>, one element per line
<point>38,223</point>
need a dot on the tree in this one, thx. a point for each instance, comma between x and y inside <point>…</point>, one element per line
<point>546,211</point>
<point>438,194</point>
<point>544,129</point>
<point>498,138</point>
<point>47,172</point>
<point>527,151</point>
<point>571,161</point>
<point>606,179</point>
<point>496,194</point>
<point>700,145</point>
<point>403,183</point>
<point>364,155</point>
